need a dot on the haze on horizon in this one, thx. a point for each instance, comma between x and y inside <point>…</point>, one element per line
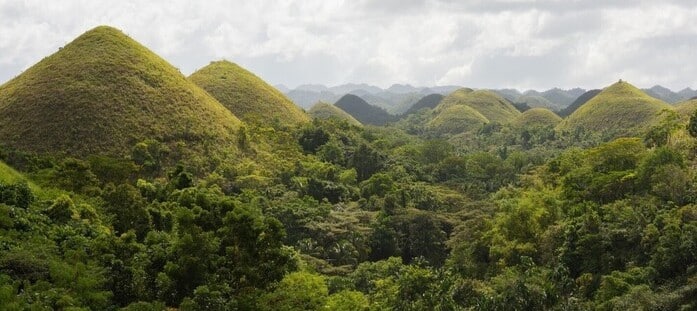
<point>520,44</point>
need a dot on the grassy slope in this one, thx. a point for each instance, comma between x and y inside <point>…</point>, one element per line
<point>456,119</point>
<point>686,109</point>
<point>325,111</point>
<point>619,110</point>
<point>246,95</point>
<point>537,116</point>
<point>492,106</point>
<point>104,92</point>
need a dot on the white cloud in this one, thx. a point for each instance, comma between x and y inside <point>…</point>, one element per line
<point>510,43</point>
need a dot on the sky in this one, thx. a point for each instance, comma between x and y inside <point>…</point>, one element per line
<point>522,44</point>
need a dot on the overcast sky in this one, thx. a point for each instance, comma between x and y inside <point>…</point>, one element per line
<point>524,44</point>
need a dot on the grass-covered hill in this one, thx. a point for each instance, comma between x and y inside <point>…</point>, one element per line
<point>102,94</point>
<point>456,119</point>
<point>619,110</point>
<point>322,110</point>
<point>363,111</point>
<point>537,117</point>
<point>687,107</point>
<point>246,95</point>
<point>585,97</point>
<point>428,101</point>
<point>492,106</point>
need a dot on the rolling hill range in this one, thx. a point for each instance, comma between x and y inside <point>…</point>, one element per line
<point>619,110</point>
<point>537,117</point>
<point>492,106</point>
<point>363,111</point>
<point>103,93</point>
<point>534,101</point>
<point>246,95</point>
<point>323,110</point>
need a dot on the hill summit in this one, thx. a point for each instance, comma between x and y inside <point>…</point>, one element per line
<point>322,110</point>
<point>620,109</point>
<point>492,106</point>
<point>362,110</point>
<point>103,93</point>
<point>247,95</point>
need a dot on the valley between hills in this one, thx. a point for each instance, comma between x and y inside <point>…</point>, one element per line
<point>126,185</point>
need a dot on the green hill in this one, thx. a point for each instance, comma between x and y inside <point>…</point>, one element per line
<point>537,117</point>
<point>687,108</point>
<point>246,95</point>
<point>492,106</point>
<point>363,111</point>
<point>323,110</point>
<point>103,93</point>
<point>619,110</point>
<point>456,119</point>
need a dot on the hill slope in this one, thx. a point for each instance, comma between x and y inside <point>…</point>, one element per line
<point>537,117</point>
<point>687,108</point>
<point>103,93</point>
<point>362,111</point>
<point>492,106</point>
<point>428,101</point>
<point>585,97</point>
<point>246,95</point>
<point>619,110</point>
<point>323,110</point>
<point>456,119</point>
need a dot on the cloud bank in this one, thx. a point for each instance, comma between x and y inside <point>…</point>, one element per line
<point>488,44</point>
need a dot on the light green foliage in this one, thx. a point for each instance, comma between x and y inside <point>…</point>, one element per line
<point>297,291</point>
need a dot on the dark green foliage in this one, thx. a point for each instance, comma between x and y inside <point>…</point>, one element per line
<point>366,161</point>
<point>362,111</point>
<point>17,194</point>
<point>313,138</point>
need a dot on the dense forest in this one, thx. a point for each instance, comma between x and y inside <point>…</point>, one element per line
<point>464,205</point>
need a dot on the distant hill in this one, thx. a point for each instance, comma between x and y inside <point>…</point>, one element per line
<point>664,94</point>
<point>619,110</point>
<point>103,93</point>
<point>510,94</point>
<point>428,101</point>
<point>578,102</point>
<point>492,106</point>
<point>561,98</point>
<point>537,117</point>
<point>306,99</point>
<point>246,95</point>
<point>362,111</point>
<point>533,101</point>
<point>688,93</point>
<point>323,110</point>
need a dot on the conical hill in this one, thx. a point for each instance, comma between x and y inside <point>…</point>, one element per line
<point>322,110</point>
<point>247,95</point>
<point>102,94</point>
<point>492,106</point>
<point>537,117</point>
<point>619,110</point>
